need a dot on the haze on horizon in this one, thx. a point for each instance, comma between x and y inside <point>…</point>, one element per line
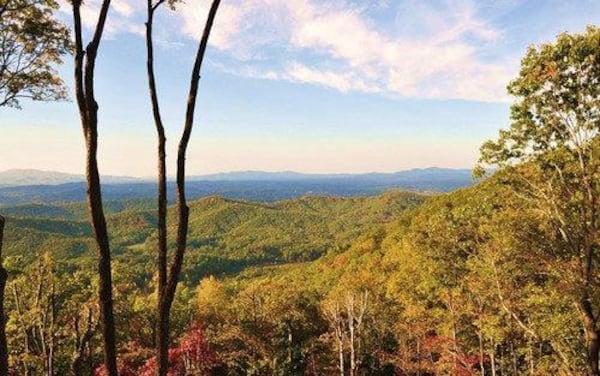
<point>347,87</point>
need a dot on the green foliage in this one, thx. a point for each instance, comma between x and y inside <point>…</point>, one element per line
<point>499,278</point>
<point>549,158</point>
<point>557,102</point>
<point>33,43</point>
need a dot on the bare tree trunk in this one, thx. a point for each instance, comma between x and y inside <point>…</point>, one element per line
<point>493,357</point>
<point>341,355</point>
<point>592,337</point>
<point>88,111</point>
<point>355,320</point>
<point>336,321</point>
<point>24,328</point>
<point>350,318</point>
<point>82,341</point>
<point>531,355</point>
<point>481,352</point>
<point>52,334</point>
<point>418,356</point>
<point>3,316</point>
<point>162,332</point>
<point>290,341</point>
<point>513,357</point>
<point>167,281</point>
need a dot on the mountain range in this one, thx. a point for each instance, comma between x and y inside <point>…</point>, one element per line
<point>21,177</point>
<point>27,186</point>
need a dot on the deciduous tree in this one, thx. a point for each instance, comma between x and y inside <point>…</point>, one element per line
<point>550,154</point>
<point>32,43</point>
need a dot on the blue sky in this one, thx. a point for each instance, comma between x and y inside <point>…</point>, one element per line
<point>304,85</point>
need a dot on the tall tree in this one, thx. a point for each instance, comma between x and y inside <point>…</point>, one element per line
<point>85,64</point>
<point>550,154</point>
<point>168,279</point>
<point>32,43</point>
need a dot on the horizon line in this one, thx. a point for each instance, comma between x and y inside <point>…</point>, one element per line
<point>230,172</point>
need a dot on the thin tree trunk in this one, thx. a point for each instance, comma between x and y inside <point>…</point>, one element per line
<point>592,335</point>
<point>418,356</point>
<point>82,342</point>
<point>513,356</point>
<point>593,346</point>
<point>341,356</point>
<point>493,357</point>
<point>290,340</point>
<point>162,332</point>
<point>88,110</point>
<point>52,330</point>
<point>168,280</point>
<point>350,318</point>
<point>481,352</point>
<point>531,356</point>
<point>26,334</point>
<point>3,317</point>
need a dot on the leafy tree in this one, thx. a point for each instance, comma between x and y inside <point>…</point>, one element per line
<point>550,157</point>
<point>32,43</point>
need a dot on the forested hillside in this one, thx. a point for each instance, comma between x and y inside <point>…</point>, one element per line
<point>50,257</point>
<point>446,284</point>
<point>493,271</point>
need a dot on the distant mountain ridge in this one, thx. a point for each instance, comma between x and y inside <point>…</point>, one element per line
<point>24,177</point>
<point>27,177</point>
<point>249,185</point>
<point>254,175</point>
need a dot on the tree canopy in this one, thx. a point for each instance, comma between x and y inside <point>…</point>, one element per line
<point>32,43</point>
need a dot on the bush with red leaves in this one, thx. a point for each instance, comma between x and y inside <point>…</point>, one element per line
<point>192,357</point>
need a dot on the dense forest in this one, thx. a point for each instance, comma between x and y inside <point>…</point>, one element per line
<point>499,278</point>
<point>466,283</point>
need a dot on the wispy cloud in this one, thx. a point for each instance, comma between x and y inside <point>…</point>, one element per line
<point>424,50</point>
<point>123,17</point>
<point>428,51</point>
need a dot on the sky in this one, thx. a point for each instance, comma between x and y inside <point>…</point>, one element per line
<point>303,85</point>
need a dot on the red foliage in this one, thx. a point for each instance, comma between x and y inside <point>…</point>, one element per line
<point>123,369</point>
<point>445,352</point>
<point>192,357</point>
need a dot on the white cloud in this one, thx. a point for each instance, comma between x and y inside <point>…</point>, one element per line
<point>344,82</point>
<point>124,15</point>
<point>428,52</point>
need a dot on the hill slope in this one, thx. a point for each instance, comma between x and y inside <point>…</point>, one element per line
<point>225,235</point>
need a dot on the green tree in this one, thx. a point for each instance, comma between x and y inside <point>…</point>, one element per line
<point>549,155</point>
<point>32,43</point>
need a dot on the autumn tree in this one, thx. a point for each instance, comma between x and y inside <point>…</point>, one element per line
<point>85,64</point>
<point>32,43</point>
<point>550,157</point>
<point>168,276</point>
